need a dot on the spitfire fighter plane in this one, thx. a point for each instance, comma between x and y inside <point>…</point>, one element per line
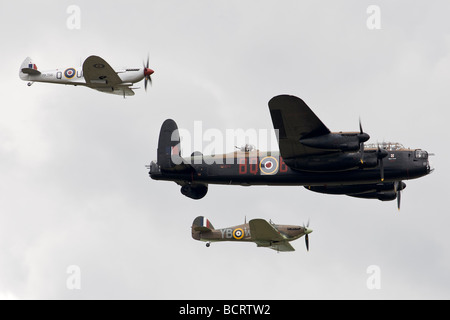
<point>263,233</point>
<point>95,73</point>
<point>310,155</point>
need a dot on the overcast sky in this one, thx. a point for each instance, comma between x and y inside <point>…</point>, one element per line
<point>74,190</point>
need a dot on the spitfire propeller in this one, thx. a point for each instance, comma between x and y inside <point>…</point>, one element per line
<point>147,73</point>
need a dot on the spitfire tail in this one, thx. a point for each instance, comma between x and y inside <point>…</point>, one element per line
<point>169,153</point>
<point>201,225</point>
<point>28,68</point>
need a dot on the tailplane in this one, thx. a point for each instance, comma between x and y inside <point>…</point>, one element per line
<point>28,68</point>
<point>170,162</point>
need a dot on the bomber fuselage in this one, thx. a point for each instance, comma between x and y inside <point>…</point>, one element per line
<point>255,168</point>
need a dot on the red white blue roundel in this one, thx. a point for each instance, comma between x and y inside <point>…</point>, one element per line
<point>69,73</point>
<point>268,165</point>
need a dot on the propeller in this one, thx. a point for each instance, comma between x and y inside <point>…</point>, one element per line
<point>307,232</point>
<point>147,73</point>
<point>362,137</point>
<point>381,153</point>
<point>398,187</point>
<point>307,242</point>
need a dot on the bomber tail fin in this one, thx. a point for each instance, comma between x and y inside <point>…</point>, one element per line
<point>168,145</point>
<point>169,149</point>
<point>28,68</point>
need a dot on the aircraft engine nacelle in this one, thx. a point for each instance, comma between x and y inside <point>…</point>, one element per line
<point>194,191</point>
<point>337,141</point>
<point>351,189</point>
<point>382,195</point>
<point>381,191</point>
<point>326,163</point>
<point>370,160</point>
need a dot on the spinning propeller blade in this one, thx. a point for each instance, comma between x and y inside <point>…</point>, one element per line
<point>398,187</point>
<point>363,137</point>
<point>147,73</point>
<point>381,153</point>
<point>307,232</point>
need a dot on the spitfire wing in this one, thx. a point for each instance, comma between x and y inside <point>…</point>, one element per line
<point>262,231</point>
<point>294,120</point>
<point>124,91</point>
<point>119,90</point>
<point>99,74</point>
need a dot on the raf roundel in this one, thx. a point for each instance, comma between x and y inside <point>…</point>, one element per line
<point>268,165</point>
<point>69,73</point>
<point>238,234</point>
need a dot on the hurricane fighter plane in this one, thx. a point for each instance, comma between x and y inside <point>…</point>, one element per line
<point>310,155</point>
<point>263,233</point>
<point>95,73</point>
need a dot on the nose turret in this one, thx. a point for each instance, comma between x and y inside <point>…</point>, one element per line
<point>430,166</point>
<point>422,161</point>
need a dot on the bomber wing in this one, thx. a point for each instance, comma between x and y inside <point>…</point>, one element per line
<point>294,120</point>
<point>99,74</point>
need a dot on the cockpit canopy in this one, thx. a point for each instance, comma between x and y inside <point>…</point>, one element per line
<point>395,146</point>
<point>246,148</point>
<point>388,146</point>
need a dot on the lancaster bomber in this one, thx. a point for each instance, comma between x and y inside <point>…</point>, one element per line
<point>310,155</point>
<point>263,233</point>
